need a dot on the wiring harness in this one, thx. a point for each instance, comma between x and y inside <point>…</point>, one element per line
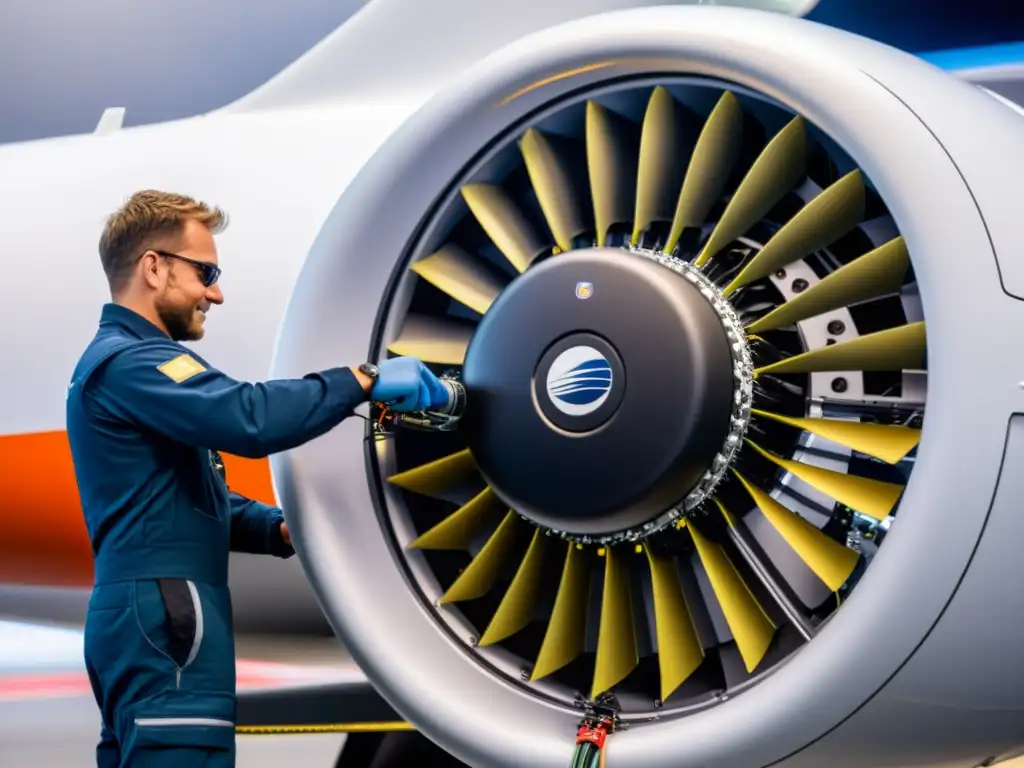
<point>590,740</point>
<point>384,420</point>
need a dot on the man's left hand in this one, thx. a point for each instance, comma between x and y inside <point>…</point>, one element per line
<point>406,384</point>
<point>285,535</point>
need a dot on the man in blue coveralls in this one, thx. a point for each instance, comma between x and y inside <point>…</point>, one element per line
<point>147,418</point>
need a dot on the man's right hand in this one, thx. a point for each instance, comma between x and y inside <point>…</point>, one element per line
<point>406,384</point>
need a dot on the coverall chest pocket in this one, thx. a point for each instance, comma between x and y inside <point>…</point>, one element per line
<point>211,491</point>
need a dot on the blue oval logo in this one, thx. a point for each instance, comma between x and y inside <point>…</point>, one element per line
<point>579,381</point>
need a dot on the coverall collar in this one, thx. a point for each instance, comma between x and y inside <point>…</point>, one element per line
<point>130,320</point>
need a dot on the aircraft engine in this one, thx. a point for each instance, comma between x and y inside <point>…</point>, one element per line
<point>736,300</point>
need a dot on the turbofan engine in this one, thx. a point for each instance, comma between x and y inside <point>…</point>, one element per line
<point>731,298</point>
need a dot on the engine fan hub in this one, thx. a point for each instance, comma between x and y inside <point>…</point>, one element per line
<point>602,391</point>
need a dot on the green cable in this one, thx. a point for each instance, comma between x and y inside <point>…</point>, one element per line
<point>586,755</point>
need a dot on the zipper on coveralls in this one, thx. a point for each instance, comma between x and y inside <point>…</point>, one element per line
<point>197,641</point>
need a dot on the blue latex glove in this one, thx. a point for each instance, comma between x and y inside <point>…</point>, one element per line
<point>406,384</point>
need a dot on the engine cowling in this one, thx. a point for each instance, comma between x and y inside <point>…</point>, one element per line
<point>730,294</point>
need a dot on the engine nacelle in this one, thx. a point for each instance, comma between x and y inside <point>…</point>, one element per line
<point>835,584</point>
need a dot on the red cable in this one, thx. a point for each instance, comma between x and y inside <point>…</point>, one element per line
<point>596,735</point>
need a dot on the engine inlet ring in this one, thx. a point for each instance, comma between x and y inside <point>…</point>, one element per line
<point>812,693</point>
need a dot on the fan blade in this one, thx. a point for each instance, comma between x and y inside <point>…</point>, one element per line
<point>661,161</point>
<point>750,626</point>
<point>831,561</point>
<point>617,653</point>
<point>505,224</point>
<point>552,181</point>
<point>482,571</point>
<point>870,497</point>
<point>825,219</point>
<point>714,158</point>
<point>612,162</point>
<point>520,600</point>
<point>433,340</point>
<point>458,529</point>
<point>567,627</point>
<point>459,275</point>
<point>888,442</point>
<point>436,476</point>
<point>874,274</point>
<point>895,349</point>
<point>679,649</point>
<point>774,173</point>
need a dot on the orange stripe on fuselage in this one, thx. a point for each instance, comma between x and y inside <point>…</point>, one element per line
<point>43,539</point>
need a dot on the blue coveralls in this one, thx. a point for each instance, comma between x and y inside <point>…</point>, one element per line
<point>146,419</point>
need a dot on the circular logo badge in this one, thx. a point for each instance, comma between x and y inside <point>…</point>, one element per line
<point>579,381</point>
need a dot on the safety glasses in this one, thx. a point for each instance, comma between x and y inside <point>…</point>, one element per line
<point>209,273</point>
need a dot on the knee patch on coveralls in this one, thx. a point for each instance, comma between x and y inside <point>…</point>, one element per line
<point>180,728</point>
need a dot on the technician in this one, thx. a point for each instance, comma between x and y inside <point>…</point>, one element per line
<point>147,418</point>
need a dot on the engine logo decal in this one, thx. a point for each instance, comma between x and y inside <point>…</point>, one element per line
<point>579,380</point>
<point>584,290</point>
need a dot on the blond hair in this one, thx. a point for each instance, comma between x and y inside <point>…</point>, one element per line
<point>146,217</point>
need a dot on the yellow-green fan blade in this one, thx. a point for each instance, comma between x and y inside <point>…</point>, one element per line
<point>567,627</point>
<point>433,340</point>
<point>617,653</point>
<point>436,476</point>
<point>458,529</point>
<point>870,497</point>
<point>750,626</point>
<point>713,159</point>
<point>825,219</point>
<point>483,569</point>
<point>552,182</point>
<point>459,275</point>
<point>505,224</point>
<point>888,442</point>
<point>874,274</point>
<point>679,649</point>
<point>828,559</point>
<point>612,166</point>
<point>774,173</point>
<point>520,600</point>
<point>661,161</point>
<point>895,349</point>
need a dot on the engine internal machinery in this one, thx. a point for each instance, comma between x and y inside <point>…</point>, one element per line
<point>634,398</point>
<point>696,270</point>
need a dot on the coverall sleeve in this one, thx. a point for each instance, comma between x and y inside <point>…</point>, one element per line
<point>161,387</point>
<point>256,528</point>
